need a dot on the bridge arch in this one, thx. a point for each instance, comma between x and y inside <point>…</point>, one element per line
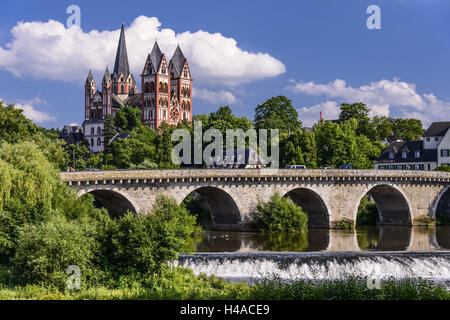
<point>221,205</point>
<point>313,204</point>
<point>442,202</point>
<point>392,204</point>
<point>115,202</point>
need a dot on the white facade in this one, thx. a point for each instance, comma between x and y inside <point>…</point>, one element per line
<point>93,132</point>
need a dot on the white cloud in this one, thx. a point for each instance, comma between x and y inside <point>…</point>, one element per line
<point>48,50</point>
<point>311,115</point>
<point>380,97</point>
<point>214,97</point>
<point>30,111</point>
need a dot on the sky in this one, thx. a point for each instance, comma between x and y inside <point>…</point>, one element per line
<point>318,53</point>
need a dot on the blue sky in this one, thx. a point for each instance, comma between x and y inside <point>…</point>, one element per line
<point>319,53</point>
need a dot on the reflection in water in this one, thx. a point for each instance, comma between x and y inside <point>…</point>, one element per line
<point>367,238</point>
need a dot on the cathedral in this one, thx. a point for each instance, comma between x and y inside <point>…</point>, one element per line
<point>166,92</point>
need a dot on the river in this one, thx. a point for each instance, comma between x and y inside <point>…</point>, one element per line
<point>320,254</point>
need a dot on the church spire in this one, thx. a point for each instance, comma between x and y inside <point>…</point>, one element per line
<point>121,65</point>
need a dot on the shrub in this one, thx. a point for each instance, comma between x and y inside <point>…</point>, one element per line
<point>144,244</point>
<point>45,251</point>
<point>443,168</point>
<point>145,165</point>
<point>342,224</point>
<point>280,214</point>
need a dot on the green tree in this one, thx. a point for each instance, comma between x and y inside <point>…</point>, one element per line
<point>407,129</point>
<point>360,112</point>
<point>280,214</point>
<point>14,126</point>
<point>128,118</point>
<point>383,126</point>
<point>110,129</point>
<point>76,156</point>
<point>298,148</point>
<point>277,113</point>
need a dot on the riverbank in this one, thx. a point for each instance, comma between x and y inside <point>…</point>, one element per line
<point>182,284</point>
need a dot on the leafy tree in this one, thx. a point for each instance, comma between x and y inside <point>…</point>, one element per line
<point>141,145</point>
<point>109,130</point>
<point>298,148</point>
<point>280,214</point>
<point>14,126</point>
<point>277,113</point>
<point>383,126</point>
<point>164,147</point>
<point>128,118</point>
<point>407,129</point>
<point>76,156</point>
<point>360,112</point>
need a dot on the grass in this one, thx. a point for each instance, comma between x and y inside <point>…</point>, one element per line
<point>182,284</point>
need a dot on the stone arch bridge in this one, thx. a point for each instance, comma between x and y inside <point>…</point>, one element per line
<point>328,196</point>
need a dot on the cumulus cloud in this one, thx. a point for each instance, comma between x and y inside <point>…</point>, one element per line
<point>51,51</point>
<point>379,96</point>
<point>311,115</point>
<point>214,97</point>
<point>31,112</point>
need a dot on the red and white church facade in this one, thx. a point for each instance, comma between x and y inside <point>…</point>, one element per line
<point>166,92</point>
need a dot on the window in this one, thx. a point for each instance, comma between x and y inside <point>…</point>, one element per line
<point>436,139</point>
<point>99,131</point>
<point>417,154</point>
<point>391,155</point>
<point>122,89</point>
<point>428,139</point>
<point>92,142</point>
<point>99,141</point>
<point>92,131</point>
<point>404,154</point>
<point>445,153</point>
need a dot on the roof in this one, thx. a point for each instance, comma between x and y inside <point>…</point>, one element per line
<point>178,61</point>
<point>121,66</point>
<point>116,101</point>
<point>133,100</point>
<point>437,129</point>
<point>410,147</point>
<point>107,75</point>
<point>156,56</point>
<point>89,78</point>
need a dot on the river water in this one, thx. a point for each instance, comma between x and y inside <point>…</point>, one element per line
<point>320,254</point>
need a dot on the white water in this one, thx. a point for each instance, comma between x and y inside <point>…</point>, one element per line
<point>322,266</point>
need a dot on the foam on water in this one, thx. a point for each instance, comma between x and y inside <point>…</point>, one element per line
<point>321,266</point>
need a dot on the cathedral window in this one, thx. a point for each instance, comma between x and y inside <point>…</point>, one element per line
<point>161,87</point>
<point>166,88</point>
<point>99,130</point>
<point>152,87</point>
<point>92,142</point>
<point>99,141</point>
<point>92,131</point>
<point>122,89</point>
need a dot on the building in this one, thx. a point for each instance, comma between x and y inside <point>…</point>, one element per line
<point>71,134</point>
<point>166,96</point>
<point>432,151</point>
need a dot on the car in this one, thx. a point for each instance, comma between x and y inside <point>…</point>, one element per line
<point>326,168</point>
<point>295,166</point>
<point>345,166</point>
